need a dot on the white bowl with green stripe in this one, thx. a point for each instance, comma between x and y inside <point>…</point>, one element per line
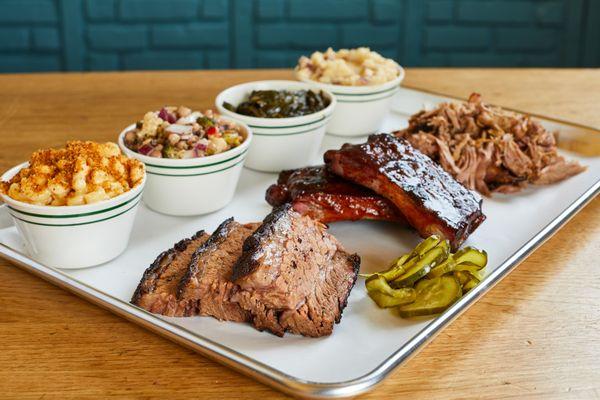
<point>73,237</point>
<point>360,110</point>
<point>279,143</point>
<point>191,186</point>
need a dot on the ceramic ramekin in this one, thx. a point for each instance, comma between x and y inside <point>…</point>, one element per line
<point>360,110</point>
<point>279,143</point>
<point>72,237</point>
<point>191,186</point>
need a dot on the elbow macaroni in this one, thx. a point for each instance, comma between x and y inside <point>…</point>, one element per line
<point>81,173</point>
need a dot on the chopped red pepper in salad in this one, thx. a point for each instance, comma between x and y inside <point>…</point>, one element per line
<point>179,132</point>
<point>212,131</point>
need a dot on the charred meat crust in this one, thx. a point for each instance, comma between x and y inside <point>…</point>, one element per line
<point>247,262</point>
<point>218,236</point>
<point>354,259</point>
<point>151,274</point>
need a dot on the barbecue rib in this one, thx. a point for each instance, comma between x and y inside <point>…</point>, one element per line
<point>294,276</point>
<point>205,288</point>
<point>325,197</point>
<point>429,198</point>
<point>156,291</point>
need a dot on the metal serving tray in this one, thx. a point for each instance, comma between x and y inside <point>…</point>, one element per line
<point>379,341</point>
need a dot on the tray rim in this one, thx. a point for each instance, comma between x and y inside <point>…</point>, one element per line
<point>278,379</point>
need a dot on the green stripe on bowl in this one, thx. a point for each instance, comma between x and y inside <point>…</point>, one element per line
<point>288,126</point>
<point>80,223</point>
<point>76,215</point>
<point>197,166</point>
<point>291,133</point>
<point>366,101</point>
<point>367,94</point>
<point>202,173</point>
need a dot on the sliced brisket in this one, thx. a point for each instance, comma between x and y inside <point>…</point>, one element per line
<point>294,276</point>
<point>206,288</point>
<point>321,195</point>
<point>156,291</point>
<point>431,200</point>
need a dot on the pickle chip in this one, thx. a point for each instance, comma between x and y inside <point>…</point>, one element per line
<point>433,296</point>
<point>425,246</point>
<point>381,292</point>
<point>423,265</point>
<point>427,280</point>
<point>400,261</point>
<point>395,270</point>
<point>467,279</point>
<point>467,267</point>
<point>471,256</point>
<point>470,285</point>
<point>385,301</point>
<point>468,259</point>
<point>462,277</point>
<point>443,268</point>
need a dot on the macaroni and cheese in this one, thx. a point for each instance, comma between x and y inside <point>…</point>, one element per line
<point>81,173</point>
<point>355,67</point>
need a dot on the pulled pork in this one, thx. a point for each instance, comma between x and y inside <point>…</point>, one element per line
<point>488,149</point>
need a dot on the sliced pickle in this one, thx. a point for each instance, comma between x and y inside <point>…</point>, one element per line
<point>425,246</point>
<point>470,285</point>
<point>433,296</point>
<point>395,270</point>
<point>400,261</point>
<point>467,279</point>
<point>462,276</point>
<point>378,283</point>
<point>393,273</point>
<point>439,278</point>
<point>469,259</point>
<point>471,256</point>
<point>408,279</point>
<point>405,262</point>
<point>443,268</point>
<point>423,265</point>
<point>386,301</point>
<point>381,292</point>
<point>467,267</point>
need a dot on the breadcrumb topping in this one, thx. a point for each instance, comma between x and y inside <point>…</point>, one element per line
<point>81,173</point>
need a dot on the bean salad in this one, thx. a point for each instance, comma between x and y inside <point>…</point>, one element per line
<point>179,132</point>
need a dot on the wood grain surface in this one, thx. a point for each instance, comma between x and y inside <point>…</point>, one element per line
<point>535,335</point>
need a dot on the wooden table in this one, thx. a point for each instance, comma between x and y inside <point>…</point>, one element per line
<point>536,335</point>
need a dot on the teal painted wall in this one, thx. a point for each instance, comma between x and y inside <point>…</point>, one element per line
<point>76,35</point>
